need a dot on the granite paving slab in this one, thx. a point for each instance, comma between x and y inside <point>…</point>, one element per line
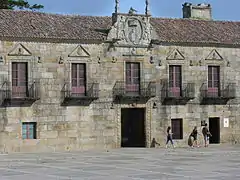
<point>213,163</point>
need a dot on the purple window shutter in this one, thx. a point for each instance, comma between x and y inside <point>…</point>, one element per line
<point>132,77</point>
<point>128,73</point>
<point>175,81</point>
<point>213,81</point>
<point>78,79</point>
<point>19,79</point>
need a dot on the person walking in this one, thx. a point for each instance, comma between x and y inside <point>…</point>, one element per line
<point>169,136</point>
<point>194,134</point>
<point>206,135</point>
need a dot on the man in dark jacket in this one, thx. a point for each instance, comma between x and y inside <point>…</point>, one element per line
<point>206,134</point>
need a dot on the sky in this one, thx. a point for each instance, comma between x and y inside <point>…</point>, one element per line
<point>221,9</point>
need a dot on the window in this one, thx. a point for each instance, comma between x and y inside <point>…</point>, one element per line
<point>78,79</point>
<point>175,80</point>
<point>132,77</point>
<point>29,130</point>
<point>19,79</point>
<point>213,81</point>
<point>177,128</point>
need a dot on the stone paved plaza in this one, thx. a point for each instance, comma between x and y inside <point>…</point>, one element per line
<point>215,162</point>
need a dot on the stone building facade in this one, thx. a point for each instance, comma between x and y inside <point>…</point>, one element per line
<point>84,82</point>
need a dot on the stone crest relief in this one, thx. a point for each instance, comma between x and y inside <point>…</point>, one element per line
<point>134,30</point>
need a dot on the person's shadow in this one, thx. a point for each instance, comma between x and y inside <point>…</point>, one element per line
<point>154,143</point>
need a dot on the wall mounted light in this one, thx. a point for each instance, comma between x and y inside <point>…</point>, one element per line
<point>151,61</point>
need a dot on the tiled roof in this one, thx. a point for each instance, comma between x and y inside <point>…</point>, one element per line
<point>201,31</point>
<point>27,24</point>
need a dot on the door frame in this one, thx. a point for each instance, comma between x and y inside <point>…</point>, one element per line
<point>214,118</point>
<point>144,122</point>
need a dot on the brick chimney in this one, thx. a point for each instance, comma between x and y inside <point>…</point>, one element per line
<point>199,11</point>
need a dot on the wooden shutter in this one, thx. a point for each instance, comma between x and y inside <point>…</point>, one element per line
<point>24,131</point>
<point>29,130</point>
<point>213,81</point>
<point>132,77</point>
<point>19,79</point>
<point>175,80</point>
<point>78,79</point>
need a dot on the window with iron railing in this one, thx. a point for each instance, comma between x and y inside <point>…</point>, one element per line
<point>78,79</point>
<point>132,77</point>
<point>213,81</point>
<point>175,80</point>
<point>19,79</point>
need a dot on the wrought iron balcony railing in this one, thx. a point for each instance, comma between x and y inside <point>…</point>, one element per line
<point>185,92</point>
<point>20,91</point>
<point>221,92</point>
<point>122,89</point>
<point>90,91</point>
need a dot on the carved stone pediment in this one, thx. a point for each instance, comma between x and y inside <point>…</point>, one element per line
<point>175,55</point>
<point>131,30</point>
<point>214,55</point>
<point>79,51</point>
<point>19,50</point>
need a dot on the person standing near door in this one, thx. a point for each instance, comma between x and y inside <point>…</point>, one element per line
<point>206,134</point>
<point>169,136</point>
<point>194,135</point>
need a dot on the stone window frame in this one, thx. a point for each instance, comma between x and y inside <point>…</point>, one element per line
<point>221,72</point>
<point>140,61</point>
<point>34,130</point>
<point>69,72</point>
<point>183,69</point>
<point>28,60</point>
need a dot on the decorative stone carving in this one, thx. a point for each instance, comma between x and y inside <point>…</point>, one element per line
<point>116,6</point>
<point>131,30</point>
<point>1,59</point>
<point>132,11</point>
<point>60,60</point>
<point>214,55</point>
<point>39,59</point>
<point>79,51</point>
<point>114,59</point>
<point>19,50</point>
<point>175,55</point>
<point>147,9</point>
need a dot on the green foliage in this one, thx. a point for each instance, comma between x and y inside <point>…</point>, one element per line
<point>18,4</point>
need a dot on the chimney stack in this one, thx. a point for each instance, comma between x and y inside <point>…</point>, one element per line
<point>199,11</point>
